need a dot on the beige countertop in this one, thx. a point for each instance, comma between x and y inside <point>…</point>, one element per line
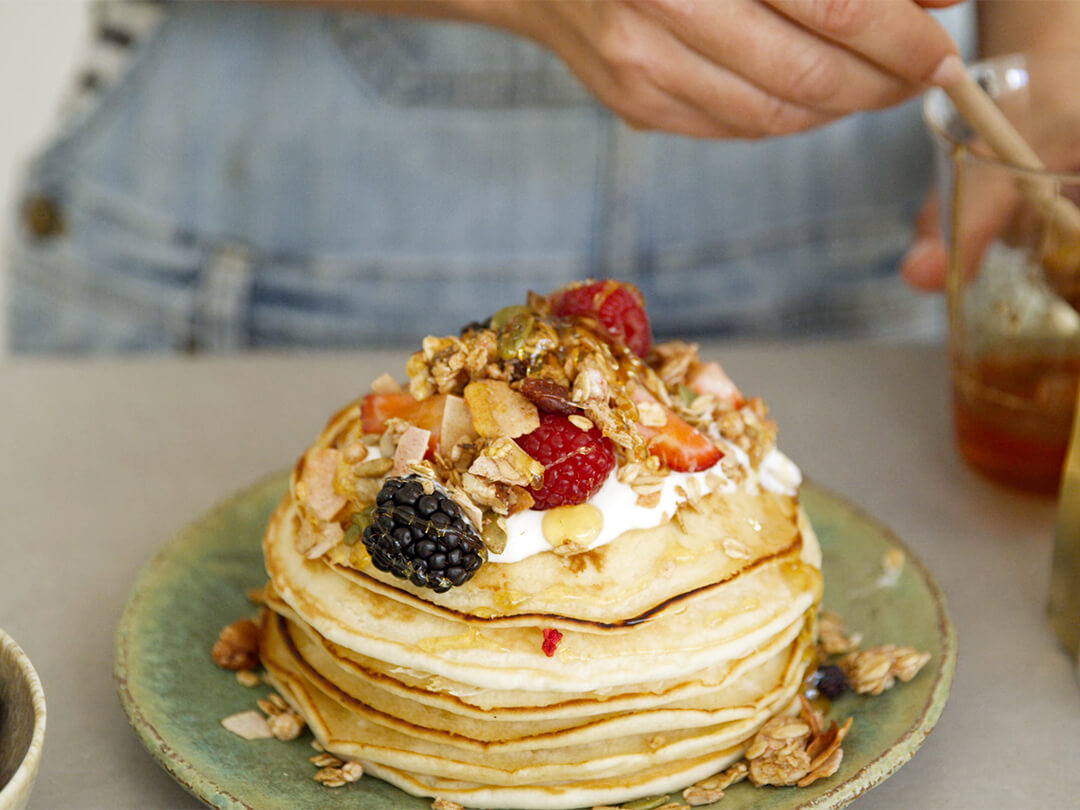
<point>102,461</point>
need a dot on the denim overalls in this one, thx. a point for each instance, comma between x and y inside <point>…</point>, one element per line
<point>271,177</point>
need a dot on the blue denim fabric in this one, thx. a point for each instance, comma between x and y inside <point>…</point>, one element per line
<point>268,177</point>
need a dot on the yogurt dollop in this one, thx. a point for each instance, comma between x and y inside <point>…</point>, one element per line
<point>617,502</point>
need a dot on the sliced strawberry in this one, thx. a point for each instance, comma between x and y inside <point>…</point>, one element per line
<point>680,446</point>
<point>376,409</point>
<point>710,378</point>
<point>677,443</point>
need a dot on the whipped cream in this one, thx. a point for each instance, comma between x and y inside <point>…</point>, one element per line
<point>617,502</point>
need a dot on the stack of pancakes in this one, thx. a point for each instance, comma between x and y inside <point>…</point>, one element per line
<point>677,643</point>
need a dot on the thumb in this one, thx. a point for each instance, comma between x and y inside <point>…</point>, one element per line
<point>987,204</point>
<point>923,266</point>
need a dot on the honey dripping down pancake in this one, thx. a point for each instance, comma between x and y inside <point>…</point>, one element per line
<point>558,566</point>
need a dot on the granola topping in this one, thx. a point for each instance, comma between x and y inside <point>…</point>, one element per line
<point>872,671</point>
<point>833,635</point>
<point>336,773</point>
<point>639,494</point>
<point>329,777</point>
<point>696,796</point>
<point>790,751</point>
<point>736,773</point>
<point>286,725</point>
<point>469,397</point>
<point>237,646</point>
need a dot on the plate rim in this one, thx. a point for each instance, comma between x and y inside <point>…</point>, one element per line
<point>206,790</point>
<point>889,761</point>
<point>187,774</point>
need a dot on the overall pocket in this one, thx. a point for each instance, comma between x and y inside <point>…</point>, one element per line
<point>103,281</point>
<point>452,65</point>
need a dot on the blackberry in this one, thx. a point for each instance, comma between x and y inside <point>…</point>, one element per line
<point>831,681</point>
<point>422,538</point>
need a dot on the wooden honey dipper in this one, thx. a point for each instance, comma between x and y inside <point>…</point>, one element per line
<point>1061,254</point>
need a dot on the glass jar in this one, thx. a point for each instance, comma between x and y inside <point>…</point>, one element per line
<point>1013,280</point>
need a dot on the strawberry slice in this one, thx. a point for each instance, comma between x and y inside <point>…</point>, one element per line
<point>710,378</point>
<point>680,446</point>
<point>677,443</point>
<point>376,409</point>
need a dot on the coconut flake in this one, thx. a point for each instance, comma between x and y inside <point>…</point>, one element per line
<point>318,480</point>
<point>250,725</point>
<point>411,448</point>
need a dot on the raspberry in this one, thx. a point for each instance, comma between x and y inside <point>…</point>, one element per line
<point>576,462</point>
<point>618,306</point>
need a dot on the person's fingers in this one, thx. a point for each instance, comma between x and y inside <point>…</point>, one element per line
<point>938,3</point>
<point>988,206</point>
<point>782,58</point>
<point>648,108</point>
<point>728,99</point>
<point>928,221</point>
<point>652,80</point>
<point>925,262</point>
<point>620,83</point>
<point>731,69</point>
<point>898,36</point>
<point>734,102</point>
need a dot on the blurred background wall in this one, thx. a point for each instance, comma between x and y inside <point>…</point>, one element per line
<point>41,43</point>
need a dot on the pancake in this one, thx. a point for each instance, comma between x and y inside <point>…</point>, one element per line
<point>641,575</point>
<point>632,649</point>
<point>493,739</point>
<point>710,625</point>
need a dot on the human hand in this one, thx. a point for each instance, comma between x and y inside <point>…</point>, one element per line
<point>924,264</point>
<point>991,204</point>
<point>987,214</point>
<point>736,68</point>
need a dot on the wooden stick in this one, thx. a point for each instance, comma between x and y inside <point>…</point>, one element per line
<point>986,118</point>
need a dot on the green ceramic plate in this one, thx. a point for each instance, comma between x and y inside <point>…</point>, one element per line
<point>175,696</point>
